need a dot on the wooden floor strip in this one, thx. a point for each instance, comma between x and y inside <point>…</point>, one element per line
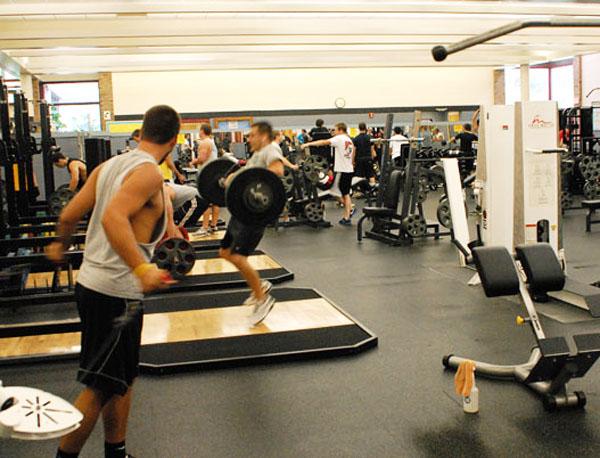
<point>195,325</point>
<point>201,267</point>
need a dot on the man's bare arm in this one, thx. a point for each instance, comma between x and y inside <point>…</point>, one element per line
<point>204,151</point>
<point>325,142</point>
<point>74,172</point>
<point>135,192</point>
<point>277,168</point>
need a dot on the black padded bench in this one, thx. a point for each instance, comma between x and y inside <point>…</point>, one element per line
<point>592,206</point>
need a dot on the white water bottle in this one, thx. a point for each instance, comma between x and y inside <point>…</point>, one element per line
<point>471,402</point>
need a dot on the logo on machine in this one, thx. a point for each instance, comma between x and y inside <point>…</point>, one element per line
<point>539,123</point>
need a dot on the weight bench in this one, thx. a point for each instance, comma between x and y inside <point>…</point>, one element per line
<point>552,363</point>
<point>592,206</point>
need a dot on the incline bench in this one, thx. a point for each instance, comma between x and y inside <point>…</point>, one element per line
<point>552,363</point>
<point>592,206</point>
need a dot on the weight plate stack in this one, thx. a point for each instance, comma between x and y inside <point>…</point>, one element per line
<point>591,190</point>
<point>566,200</point>
<point>288,181</point>
<point>59,200</point>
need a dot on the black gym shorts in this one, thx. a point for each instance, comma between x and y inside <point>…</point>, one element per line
<point>345,182</point>
<point>364,167</point>
<point>109,356</point>
<point>241,238</point>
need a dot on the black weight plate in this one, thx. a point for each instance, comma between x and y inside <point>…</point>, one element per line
<point>256,196</point>
<point>313,212</point>
<point>208,181</point>
<point>591,190</point>
<point>175,255</point>
<point>444,215</point>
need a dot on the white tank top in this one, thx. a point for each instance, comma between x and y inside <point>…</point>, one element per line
<point>103,270</point>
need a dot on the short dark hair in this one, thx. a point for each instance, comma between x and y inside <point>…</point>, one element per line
<point>397,130</point>
<point>135,133</point>
<point>319,122</point>
<point>362,126</point>
<point>263,127</point>
<point>57,157</point>
<point>467,126</point>
<point>341,126</point>
<point>204,127</point>
<point>161,124</point>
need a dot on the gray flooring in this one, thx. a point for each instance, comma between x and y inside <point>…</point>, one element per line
<point>394,401</point>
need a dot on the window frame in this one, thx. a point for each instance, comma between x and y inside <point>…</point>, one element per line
<point>43,95</point>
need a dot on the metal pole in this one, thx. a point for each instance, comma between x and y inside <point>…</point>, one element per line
<point>385,165</point>
<point>441,52</point>
<point>47,144</point>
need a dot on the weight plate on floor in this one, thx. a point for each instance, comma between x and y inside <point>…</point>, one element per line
<point>175,255</point>
<point>591,190</point>
<point>443,214</point>
<point>314,212</point>
<point>414,225</point>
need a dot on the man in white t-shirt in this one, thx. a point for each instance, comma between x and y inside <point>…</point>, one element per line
<point>343,164</point>
<point>207,152</point>
<point>396,142</point>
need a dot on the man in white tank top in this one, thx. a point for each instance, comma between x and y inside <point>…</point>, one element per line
<point>207,151</point>
<point>129,216</point>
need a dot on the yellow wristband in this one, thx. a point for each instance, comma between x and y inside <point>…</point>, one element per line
<point>141,270</point>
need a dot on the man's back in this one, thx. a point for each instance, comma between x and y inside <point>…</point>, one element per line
<point>103,270</point>
<point>362,142</point>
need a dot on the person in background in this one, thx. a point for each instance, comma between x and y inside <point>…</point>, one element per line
<point>365,154</point>
<point>278,140</point>
<point>466,139</point>
<point>396,142</point>
<point>343,165</point>
<point>438,136</point>
<point>136,135</point>
<point>76,167</point>
<point>169,171</point>
<point>302,136</point>
<point>207,152</point>
<point>320,132</point>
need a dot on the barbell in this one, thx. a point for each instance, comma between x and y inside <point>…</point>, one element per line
<point>255,196</point>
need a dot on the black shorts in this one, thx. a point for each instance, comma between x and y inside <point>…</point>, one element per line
<point>110,353</point>
<point>364,167</point>
<point>345,182</point>
<point>240,238</point>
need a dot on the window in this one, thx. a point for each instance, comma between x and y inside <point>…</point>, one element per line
<point>512,85</point>
<point>74,107</point>
<point>539,84</point>
<point>562,90</point>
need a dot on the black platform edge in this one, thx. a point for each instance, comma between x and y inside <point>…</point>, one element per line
<point>270,358</point>
<point>192,284</point>
<point>176,302</point>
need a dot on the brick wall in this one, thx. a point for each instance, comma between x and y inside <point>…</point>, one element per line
<point>106,97</point>
<point>36,98</point>
<point>577,81</point>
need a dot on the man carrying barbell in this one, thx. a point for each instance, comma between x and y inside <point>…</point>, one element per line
<point>129,217</point>
<point>76,167</point>
<point>241,239</point>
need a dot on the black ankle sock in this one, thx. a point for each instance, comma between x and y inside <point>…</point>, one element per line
<point>61,454</point>
<point>114,450</point>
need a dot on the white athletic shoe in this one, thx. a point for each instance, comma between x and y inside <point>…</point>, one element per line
<point>200,233</point>
<point>262,310</point>
<point>266,287</point>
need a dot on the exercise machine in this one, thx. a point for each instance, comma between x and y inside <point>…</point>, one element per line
<point>552,363</point>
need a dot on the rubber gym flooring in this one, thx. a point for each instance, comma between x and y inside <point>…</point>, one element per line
<point>393,401</point>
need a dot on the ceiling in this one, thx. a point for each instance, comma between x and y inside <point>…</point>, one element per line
<point>64,37</point>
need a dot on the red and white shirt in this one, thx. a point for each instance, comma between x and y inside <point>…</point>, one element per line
<point>343,153</point>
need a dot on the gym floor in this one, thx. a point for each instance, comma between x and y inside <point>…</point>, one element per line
<point>395,400</point>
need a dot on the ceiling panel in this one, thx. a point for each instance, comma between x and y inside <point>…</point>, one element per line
<point>52,37</point>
